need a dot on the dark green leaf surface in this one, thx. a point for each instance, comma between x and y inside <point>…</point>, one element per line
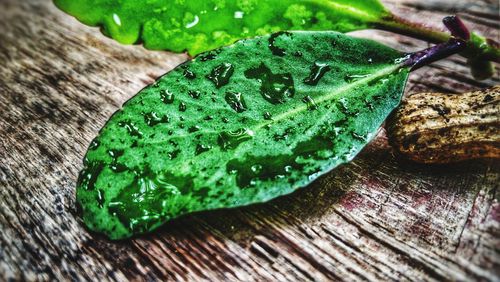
<point>240,125</point>
<point>199,26</point>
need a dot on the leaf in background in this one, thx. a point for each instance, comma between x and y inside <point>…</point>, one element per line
<point>199,26</point>
<point>237,126</point>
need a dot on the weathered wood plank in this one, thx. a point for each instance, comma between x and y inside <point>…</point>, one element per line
<point>378,218</point>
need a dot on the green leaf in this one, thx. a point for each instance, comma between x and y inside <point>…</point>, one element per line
<point>199,26</point>
<point>240,125</point>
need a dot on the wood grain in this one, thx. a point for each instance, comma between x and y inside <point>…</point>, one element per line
<point>378,218</point>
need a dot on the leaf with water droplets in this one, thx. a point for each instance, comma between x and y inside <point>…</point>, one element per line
<point>238,129</point>
<point>198,26</point>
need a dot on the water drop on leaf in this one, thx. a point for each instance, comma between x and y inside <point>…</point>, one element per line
<point>166,96</point>
<point>221,74</point>
<point>153,119</point>
<point>131,128</point>
<point>311,105</point>
<point>193,128</point>
<point>189,74</point>
<point>200,148</point>
<point>354,77</point>
<point>232,139</point>
<point>277,51</point>
<point>297,54</point>
<point>275,88</point>
<point>100,198</point>
<point>318,70</point>
<point>236,101</point>
<point>182,107</point>
<point>195,94</point>
<point>88,176</point>
<point>208,56</point>
<point>115,166</point>
<point>94,144</point>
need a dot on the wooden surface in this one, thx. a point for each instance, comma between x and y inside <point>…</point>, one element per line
<point>378,218</point>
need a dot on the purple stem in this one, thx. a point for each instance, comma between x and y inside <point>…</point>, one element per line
<point>435,53</point>
<point>456,44</point>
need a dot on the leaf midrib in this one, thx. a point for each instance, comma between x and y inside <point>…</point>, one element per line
<point>302,108</point>
<point>331,95</point>
<point>238,152</point>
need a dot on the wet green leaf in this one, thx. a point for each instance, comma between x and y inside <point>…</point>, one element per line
<point>199,26</point>
<point>240,125</point>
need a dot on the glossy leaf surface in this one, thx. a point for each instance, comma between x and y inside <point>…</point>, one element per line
<point>240,125</point>
<point>199,26</point>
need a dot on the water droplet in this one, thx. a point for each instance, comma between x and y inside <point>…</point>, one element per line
<point>275,88</point>
<point>208,118</point>
<point>200,148</point>
<point>344,107</point>
<point>88,176</point>
<point>182,107</point>
<point>117,20</point>
<point>318,70</point>
<point>189,74</point>
<point>313,176</point>
<point>284,135</point>
<point>166,96</point>
<point>132,129</point>
<point>236,101</point>
<point>239,14</point>
<point>340,126</point>
<point>225,120</point>
<point>153,119</point>
<point>311,105</point>
<point>172,155</point>
<point>142,204</point>
<point>277,51</point>
<point>253,169</point>
<point>115,166</point>
<point>94,144</point>
<point>256,168</point>
<point>370,60</point>
<point>195,21</point>
<point>209,56</point>
<point>100,198</point>
<point>194,128</point>
<point>115,154</point>
<point>232,139</point>
<point>354,77</point>
<point>297,54</point>
<point>221,74</point>
<point>358,137</point>
<point>368,104</point>
<point>268,116</point>
<point>195,94</point>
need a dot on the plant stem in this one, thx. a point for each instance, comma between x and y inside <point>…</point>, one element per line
<point>402,26</point>
<point>435,53</point>
<point>478,48</point>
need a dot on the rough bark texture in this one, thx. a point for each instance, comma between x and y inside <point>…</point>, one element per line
<point>378,218</point>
